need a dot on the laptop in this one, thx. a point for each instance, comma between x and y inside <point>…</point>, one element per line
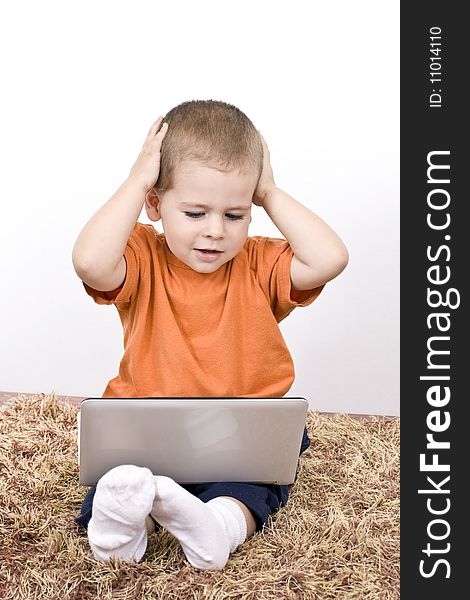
<point>193,440</point>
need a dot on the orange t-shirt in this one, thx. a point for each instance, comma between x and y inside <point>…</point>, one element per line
<point>203,334</point>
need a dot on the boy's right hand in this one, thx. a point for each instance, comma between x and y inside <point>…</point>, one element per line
<point>146,168</point>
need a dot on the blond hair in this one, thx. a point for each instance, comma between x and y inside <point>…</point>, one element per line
<point>212,133</point>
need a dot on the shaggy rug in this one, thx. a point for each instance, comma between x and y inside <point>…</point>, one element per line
<point>336,538</point>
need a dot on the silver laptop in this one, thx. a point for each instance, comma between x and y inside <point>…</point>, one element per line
<point>193,440</point>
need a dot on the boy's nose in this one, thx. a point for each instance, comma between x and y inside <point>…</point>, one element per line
<point>214,228</point>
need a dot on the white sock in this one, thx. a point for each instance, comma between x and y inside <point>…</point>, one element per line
<point>207,531</point>
<point>122,502</point>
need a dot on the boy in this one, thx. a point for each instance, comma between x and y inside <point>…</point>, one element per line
<point>199,305</point>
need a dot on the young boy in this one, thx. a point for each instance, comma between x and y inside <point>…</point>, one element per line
<point>199,305</point>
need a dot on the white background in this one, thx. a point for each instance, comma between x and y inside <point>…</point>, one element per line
<point>82,83</point>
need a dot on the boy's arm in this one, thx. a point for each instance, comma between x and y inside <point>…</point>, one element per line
<point>98,253</point>
<point>319,253</point>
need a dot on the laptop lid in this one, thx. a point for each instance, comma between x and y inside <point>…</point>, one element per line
<point>193,440</point>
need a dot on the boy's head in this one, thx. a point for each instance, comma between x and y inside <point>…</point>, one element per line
<point>211,161</point>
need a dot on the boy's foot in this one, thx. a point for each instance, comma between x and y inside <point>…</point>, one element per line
<point>207,531</point>
<point>122,502</point>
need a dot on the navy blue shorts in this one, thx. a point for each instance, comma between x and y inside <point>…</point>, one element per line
<point>262,500</point>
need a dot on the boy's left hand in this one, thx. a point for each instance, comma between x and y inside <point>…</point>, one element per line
<point>266,180</point>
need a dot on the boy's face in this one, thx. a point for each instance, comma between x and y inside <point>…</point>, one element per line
<point>207,210</point>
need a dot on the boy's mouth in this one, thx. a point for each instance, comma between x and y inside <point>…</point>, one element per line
<point>207,254</point>
<point>208,250</point>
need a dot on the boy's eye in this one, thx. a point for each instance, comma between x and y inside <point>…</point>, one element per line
<point>196,215</point>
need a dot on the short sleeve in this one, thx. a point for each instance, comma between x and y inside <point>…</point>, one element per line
<point>270,259</point>
<point>136,244</point>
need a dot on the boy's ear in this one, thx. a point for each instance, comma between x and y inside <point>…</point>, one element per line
<point>152,205</point>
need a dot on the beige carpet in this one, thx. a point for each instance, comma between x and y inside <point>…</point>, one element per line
<point>337,537</point>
